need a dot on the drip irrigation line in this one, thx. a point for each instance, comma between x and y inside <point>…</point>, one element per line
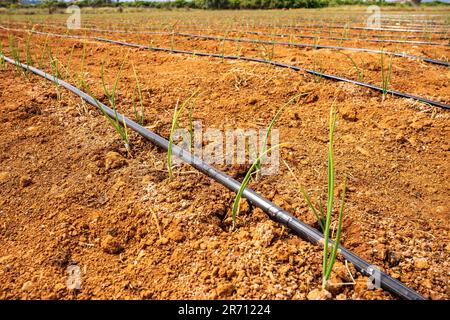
<point>54,35</point>
<point>318,32</point>
<point>282,65</point>
<point>386,18</point>
<point>285,35</point>
<point>393,29</point>
<point>190,28</point>
<point>298,45</point>
<point>273,211</point>
<point>257,60</point>
<point>359,28</point>
<point>302,45</point>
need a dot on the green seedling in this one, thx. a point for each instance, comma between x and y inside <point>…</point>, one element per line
<point>272,53</point>
<point>319,214</point>
<point>222,44</point>
<point>385,76</point>
<point>176,115</point>
<point>43,51</point>
<point>139,116</point>
<point>346,30</point>
<point>81,77</point>
<point>111,95</point>
<point>317,78</point>
<point>318,68</point>
<point>238,47</point>
<point>359,71</point>
<point>329,255</point>
<point>14,49</point>
<point>290,39</point>
<point>316,42</point>
<point>122,130</point>
<point>269,128</point>
<point>54,63</point>
<point>172,38</point>
<point>28,58</point>
<point>246,181</point>
<point>69,62</point>
<point>341,40</point>
<point>2,61</point>
<point>191,125</point>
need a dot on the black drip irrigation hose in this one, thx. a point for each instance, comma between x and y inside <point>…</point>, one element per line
<point>313,46</point>
<point>284,35</point>
<point>244,58</point>
<point>283,65</point>
<point>317,33</point>
<point>297,27</point>
<point>379,36</point>
<point>282,43</point>
<point>318,36</point>
<point>273,211</point>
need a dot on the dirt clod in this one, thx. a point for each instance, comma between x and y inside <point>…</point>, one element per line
<point>319,294</point>
<point>421,263</point>
<point>111,245</point>
<point>349,113</point>
<point>224,290</point>
<point>25,181</point>
<point>176,235</point>
<point>27,286</point>
<point>4,176</point>
<point>114,160</point>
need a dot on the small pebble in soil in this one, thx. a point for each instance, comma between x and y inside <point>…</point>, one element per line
<point>25,181</point>
<point>334,285</point>
<point>176,235</point>
<point>59,287</point>
<point>4,176</point>
<point>441,210</point>
<point>226,289</point>
<point>319,294</point>
<point>114,160</point>
<point>349,113</point>
<point>341,297</point>
<point>146,294</point>
<point>111,245</point>
<point>163,241</point>
<point>27,286</point>
<point>421,263</point>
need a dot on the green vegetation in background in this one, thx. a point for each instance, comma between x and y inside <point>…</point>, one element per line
<point>52,5</point>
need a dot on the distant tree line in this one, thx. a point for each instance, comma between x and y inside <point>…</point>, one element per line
<point>205,4</point>
<point>200,4</point>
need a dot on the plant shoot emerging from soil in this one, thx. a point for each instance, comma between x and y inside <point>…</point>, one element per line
<point>176,114</point>
<point>272,123</point>
<point>246,181</point>
<point>139,115</point>
<point>111,95</point>
<point>385,75</point>
<point>14,50</point>
<point>324,219</point>
<point>359,71</point>
<point>2,62</point>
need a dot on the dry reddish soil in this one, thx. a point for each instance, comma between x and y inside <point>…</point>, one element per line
<point>70,194</point>
<point>407,75</point>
